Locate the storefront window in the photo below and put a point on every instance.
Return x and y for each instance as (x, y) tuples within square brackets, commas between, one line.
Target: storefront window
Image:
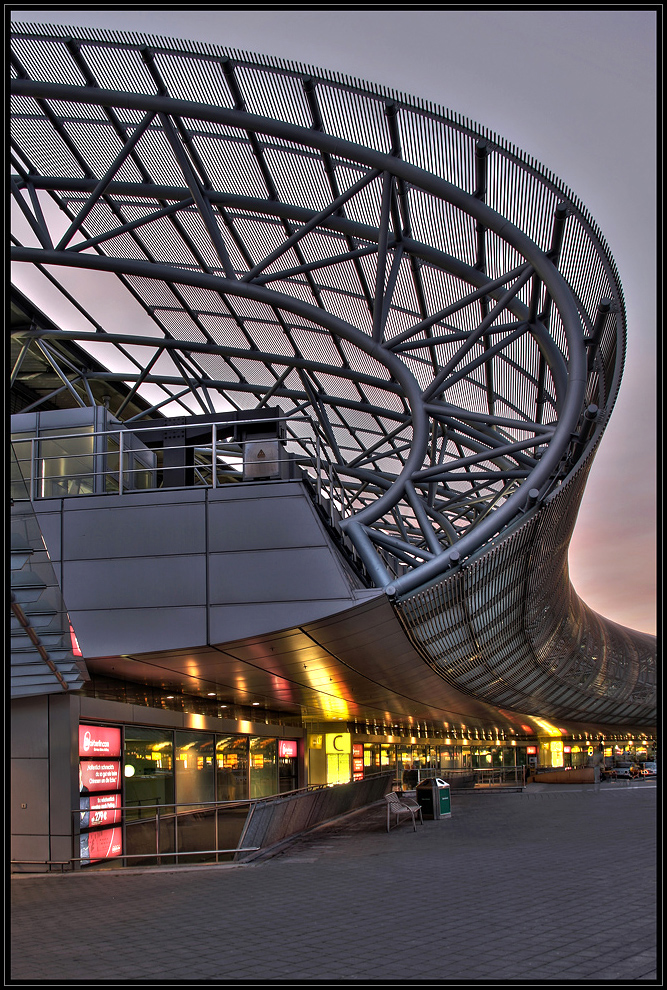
[(195, 783), (448, 758), (371, 757), (420, 756), (404, 757), (148, 770), (263, 767), (231, 760), (387, 756), (481, 758)]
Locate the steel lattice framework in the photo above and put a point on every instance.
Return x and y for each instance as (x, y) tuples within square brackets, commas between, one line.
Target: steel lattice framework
[(440, 307)]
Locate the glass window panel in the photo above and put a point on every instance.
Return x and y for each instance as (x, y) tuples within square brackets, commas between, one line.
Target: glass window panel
[(111, 469), (66, 465), (231, 760), (387, 756), (148, 769), (404, 756), (263, 767), (20, 467), (195, 774)]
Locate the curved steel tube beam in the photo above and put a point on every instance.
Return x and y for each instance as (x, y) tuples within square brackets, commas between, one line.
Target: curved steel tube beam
[(388, 165)]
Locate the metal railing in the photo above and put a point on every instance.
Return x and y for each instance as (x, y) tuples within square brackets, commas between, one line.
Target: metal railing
[(123, 459), (117, 462), (503, 776), (174, 826)]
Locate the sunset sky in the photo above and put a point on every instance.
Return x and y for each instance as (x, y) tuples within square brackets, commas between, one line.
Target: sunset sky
[(576, 89)]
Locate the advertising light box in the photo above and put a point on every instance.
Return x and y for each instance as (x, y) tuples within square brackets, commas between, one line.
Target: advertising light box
[(105, 843), (99, 775), (96, 740), (99, 809), (286, 747)]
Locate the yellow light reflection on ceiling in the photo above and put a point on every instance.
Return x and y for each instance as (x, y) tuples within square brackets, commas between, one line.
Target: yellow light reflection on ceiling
[(550, 730), (318, 677)]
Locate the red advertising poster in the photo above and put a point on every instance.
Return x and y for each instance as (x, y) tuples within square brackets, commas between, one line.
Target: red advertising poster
[(99, 740), (99, 775), (287, 747), (103, 844), (99, 809)]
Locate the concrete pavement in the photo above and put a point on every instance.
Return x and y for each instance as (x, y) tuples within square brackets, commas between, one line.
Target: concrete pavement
[(555, 884)]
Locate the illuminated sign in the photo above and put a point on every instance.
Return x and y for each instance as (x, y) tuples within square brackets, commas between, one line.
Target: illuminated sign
[(531, 749), (105, 843), (96, 740), (357, 750), (76, 649), (567, 749), (287, 747), (99, 809), (338, 742), (99, 775), (314, 742)]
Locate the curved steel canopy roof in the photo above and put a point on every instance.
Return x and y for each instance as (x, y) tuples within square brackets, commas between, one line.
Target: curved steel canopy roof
[(439, 306)]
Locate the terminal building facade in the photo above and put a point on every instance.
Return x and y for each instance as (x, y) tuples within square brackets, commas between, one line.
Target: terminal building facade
[(307, 379)]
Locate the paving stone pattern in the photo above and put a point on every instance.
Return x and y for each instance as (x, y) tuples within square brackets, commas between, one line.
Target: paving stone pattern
[(552, 885)]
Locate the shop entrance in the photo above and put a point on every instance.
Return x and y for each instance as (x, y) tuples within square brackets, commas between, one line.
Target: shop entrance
[(288, 777)]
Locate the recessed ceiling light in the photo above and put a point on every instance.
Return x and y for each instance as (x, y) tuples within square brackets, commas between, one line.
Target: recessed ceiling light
[(211, 694), (255, 702)]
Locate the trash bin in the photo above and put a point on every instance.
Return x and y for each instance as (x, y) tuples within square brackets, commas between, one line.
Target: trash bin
[(433, 798)]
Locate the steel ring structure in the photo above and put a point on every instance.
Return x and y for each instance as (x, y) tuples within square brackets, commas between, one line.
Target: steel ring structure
[(439, 308)]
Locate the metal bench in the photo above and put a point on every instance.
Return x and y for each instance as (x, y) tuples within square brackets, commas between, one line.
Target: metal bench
[(402, 806)]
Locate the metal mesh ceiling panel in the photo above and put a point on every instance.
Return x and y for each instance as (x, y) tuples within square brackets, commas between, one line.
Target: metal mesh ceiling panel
[(426, 295)]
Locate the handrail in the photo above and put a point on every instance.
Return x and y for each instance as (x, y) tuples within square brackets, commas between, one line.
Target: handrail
[(173, 811), (501, 774), (136, 466)]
